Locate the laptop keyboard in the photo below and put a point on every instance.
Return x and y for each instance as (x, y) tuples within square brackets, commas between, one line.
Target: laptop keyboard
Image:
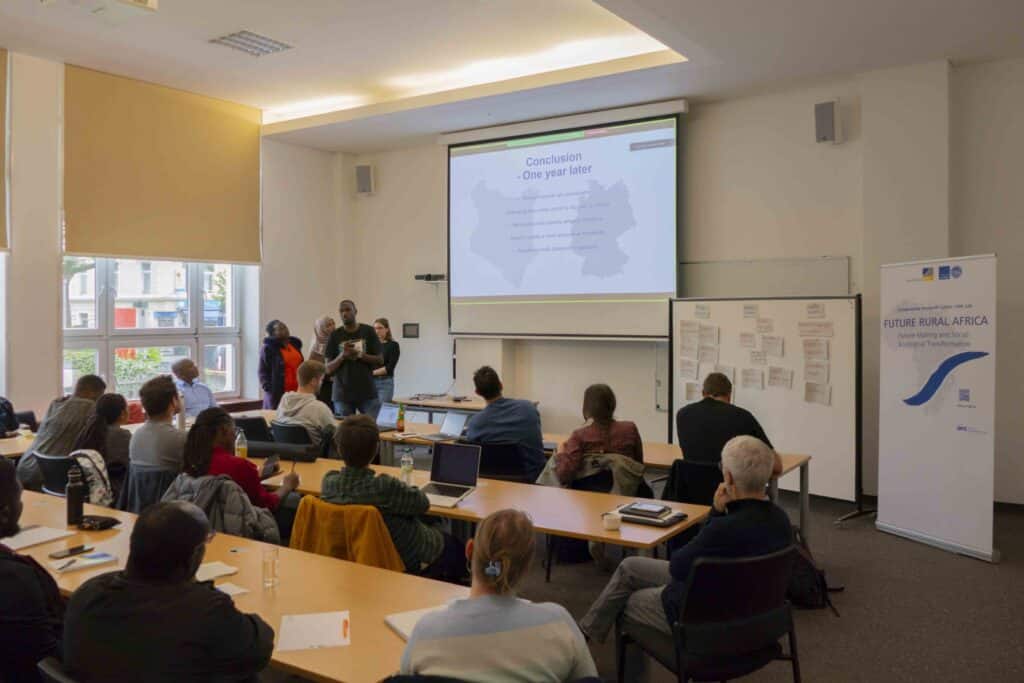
[(444, 490)]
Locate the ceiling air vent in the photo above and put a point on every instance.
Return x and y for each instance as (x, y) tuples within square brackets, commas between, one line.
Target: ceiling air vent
[(252, 43)]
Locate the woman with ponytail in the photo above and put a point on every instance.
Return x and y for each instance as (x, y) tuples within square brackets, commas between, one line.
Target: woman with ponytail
[(495, 636), (209, 450), (104, 433), (603, 434)]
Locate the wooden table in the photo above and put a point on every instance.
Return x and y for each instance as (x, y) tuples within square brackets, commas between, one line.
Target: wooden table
[(555, 511), (16, 446), (443, 404), (308, 583)]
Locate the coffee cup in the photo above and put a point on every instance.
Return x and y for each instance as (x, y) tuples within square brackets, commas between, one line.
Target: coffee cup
[(612, 521)]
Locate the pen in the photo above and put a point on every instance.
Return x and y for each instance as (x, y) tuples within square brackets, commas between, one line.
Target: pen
[(67, 564)]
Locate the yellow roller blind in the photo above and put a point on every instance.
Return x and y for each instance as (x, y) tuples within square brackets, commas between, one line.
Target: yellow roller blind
[(3, 149), (153, 172)]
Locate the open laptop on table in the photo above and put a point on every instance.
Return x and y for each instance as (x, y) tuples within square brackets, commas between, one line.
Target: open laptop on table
[(452, 427), (387, 418), (453, 473)]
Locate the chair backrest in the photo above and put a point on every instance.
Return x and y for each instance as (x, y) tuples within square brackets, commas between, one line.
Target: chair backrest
[(503, 461), (55, 472), (419, 678), (144, 486), (601, 482), (254, 428), (285, 433), (356, 533), (51, 670), (692, 482), (27, 418), (285, 451), (734, 605)]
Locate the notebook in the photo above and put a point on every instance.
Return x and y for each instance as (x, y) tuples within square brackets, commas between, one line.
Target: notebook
[(403, 623), (214, 570), (34, 535)]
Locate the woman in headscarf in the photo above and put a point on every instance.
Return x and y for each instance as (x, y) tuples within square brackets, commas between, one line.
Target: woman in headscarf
[(322, 329)]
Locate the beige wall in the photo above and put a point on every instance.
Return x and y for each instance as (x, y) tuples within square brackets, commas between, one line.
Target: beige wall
[(988, 217)]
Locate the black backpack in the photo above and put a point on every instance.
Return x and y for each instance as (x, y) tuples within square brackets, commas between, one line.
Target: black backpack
[(8, 420), (808, 588)]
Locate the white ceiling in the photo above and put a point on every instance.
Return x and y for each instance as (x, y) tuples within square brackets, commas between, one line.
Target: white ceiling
[(733, 46)]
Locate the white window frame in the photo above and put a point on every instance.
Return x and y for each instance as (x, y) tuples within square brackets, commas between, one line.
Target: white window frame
[(107, 338)]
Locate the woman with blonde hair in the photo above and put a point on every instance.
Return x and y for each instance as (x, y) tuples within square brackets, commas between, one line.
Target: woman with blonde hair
[(495, 636)]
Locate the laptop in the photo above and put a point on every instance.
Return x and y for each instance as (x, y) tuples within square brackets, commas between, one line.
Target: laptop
[(453, 473), (452, 428), (387, 418)]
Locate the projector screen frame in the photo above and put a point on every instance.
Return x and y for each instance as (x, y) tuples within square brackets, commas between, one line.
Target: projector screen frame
[(677, 116)]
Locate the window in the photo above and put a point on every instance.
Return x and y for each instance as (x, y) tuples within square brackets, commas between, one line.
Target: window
[(132, 320)]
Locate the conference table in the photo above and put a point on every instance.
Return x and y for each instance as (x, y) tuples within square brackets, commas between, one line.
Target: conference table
[(308, 584), (441, 404), (16, 446)]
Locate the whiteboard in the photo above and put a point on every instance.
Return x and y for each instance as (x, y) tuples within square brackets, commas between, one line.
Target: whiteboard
[(823, 424)]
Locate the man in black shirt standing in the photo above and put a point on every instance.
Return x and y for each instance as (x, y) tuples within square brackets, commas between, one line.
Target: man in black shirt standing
[(353, 351), (703, 428)]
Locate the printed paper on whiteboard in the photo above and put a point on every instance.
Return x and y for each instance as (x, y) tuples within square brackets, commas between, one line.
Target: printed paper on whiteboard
[(816, 310), (709, 335), (688, 327), (750, 310), (702, 311), (752, 379), (689, 343), (816, 371), (818, 393), (758, 358), (780, 377), (748, 340), (689, 369), (728, 371), (693, 392), (765, 325), (708, 354), (815, 349), (822, 328), (772, 345)]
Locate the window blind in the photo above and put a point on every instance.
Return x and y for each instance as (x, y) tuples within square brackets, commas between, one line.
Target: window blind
[(3, 150)]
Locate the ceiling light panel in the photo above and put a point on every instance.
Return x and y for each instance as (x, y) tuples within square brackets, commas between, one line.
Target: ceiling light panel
[(252, 43)]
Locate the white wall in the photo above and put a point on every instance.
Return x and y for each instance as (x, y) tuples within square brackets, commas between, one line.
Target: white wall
[(987, 214)]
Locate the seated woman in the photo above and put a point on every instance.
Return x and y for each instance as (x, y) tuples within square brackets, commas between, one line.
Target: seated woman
[(494, 635), (604, 434), (105, 434), (209, 450)]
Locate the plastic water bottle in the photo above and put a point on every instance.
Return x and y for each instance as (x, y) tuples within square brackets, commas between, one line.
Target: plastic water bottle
[(180, 417), (406, 468), (241, 445), (75, 495)]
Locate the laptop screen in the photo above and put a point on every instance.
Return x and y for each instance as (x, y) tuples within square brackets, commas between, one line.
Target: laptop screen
[(455, 463), (454, 423), (388, 415)]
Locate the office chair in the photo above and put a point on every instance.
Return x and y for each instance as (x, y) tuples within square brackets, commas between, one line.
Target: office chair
[(55, 472)]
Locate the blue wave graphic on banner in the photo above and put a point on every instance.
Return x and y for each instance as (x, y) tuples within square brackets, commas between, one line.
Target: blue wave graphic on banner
[(935, 381)]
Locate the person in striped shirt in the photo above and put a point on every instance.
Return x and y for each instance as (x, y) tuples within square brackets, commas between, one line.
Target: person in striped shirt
[(494, 636), (423, 546)]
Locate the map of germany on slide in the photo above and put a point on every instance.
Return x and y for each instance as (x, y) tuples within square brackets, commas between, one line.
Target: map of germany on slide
[(512, 231)]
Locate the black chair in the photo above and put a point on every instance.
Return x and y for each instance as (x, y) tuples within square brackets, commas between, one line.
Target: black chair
[(285, 451), (416, 678), (504, 461), (28, 418), (733, 614), (51, 670), (284, 433), (254, 428), (692, 482), (55, 472), (144, 486)]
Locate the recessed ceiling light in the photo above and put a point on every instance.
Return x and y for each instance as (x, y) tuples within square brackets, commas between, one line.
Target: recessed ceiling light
[(251, 43), (322, 105)]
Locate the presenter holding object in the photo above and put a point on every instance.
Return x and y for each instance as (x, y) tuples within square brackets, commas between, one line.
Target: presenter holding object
[(384, 376)]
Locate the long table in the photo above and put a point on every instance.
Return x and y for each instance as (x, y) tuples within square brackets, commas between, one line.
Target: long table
[(442, 404), (16, 446), (555, 511), (308, 583)]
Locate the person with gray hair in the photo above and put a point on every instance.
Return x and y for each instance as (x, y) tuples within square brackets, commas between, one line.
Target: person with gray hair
[(743, 523)]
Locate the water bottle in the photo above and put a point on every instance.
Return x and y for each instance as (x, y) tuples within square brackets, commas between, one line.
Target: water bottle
[(181, 412), (241, 445), (75, 496), (406, 468)]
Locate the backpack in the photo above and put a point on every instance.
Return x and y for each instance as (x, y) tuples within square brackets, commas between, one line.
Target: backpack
[(8, 420), (808, 588)]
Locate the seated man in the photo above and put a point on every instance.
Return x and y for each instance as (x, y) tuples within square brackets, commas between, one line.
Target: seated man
[(158, 443), (154, 621), (303, 408), (703, 428), (743, 523), (64, 421), (31, 609), (421, 544), (196, 395), (507, 420)]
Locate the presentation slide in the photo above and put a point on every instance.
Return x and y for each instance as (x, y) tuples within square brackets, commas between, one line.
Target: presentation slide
[(583, 218)]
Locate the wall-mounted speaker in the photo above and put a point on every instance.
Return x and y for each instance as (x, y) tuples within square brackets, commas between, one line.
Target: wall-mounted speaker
[(364, 179), (828, 125)]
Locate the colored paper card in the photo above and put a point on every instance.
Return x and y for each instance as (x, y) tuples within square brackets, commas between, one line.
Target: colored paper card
[(818, 393), (313, 631)]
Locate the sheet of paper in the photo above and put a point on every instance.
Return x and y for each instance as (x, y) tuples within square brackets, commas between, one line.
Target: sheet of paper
[(708, 354), (689, 343), (816, 310), (773, 345), (73, 564), (750, 310), (693, 391), (817, 328), (231, 588), (765, 325), (816, 371), (688, 327), (728, 371), (752, 378), (709, 335), (780, 377), (702, 311), (705, 370), (758, 358), (214, 570), (748, 340), (313, 631), (818, 393), (34, 535), (815, 349), (404, 622), (689, 369)]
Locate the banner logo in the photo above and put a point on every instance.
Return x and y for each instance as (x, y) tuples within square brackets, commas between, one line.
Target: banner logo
[(935, 381), (927, 274)]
